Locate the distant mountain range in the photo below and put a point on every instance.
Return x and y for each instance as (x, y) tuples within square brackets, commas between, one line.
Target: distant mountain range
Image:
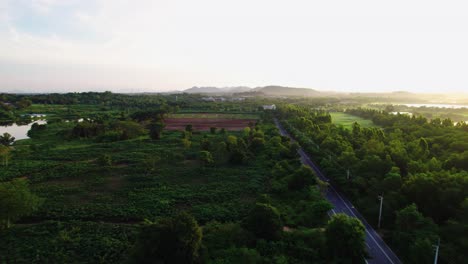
[(217, 90), (282, 91), (271, 90)]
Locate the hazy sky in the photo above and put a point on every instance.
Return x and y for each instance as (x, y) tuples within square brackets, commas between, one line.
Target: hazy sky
[(154, 45)]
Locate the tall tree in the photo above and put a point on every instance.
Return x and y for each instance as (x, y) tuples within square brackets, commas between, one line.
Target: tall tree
[(414, 234), (346, 239), (155, 129), (6, 139), (264, 222)]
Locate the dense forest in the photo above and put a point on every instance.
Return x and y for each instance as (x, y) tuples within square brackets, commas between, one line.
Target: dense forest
[(418, 165)]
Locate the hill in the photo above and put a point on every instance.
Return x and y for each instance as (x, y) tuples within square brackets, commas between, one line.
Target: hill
[(216, 90), (274, 90)]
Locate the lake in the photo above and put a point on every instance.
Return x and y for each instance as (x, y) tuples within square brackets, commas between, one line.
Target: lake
[(19, 131), (454, 106)]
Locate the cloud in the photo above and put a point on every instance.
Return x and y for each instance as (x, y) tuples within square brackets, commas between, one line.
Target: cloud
[(43, 6), (326, 44)]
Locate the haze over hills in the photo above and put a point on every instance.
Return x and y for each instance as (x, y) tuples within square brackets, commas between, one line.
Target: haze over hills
[(217, 90), (283, 91), (271, 90)]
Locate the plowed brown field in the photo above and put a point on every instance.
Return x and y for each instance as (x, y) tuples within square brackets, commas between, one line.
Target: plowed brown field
[(204, 124)]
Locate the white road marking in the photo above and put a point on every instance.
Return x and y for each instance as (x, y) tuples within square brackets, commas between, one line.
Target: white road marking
[(306, 157), (367, 231)]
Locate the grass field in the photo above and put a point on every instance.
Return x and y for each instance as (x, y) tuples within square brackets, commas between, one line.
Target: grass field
[(347, 120), (214, 115)]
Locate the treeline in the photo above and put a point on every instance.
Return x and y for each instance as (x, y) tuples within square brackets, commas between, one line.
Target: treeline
[(9, 104), (109, 100), (386, 119), (456, 114), (419, 167)]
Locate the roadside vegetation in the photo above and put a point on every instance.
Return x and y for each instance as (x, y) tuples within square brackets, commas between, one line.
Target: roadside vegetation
[(418, 165)]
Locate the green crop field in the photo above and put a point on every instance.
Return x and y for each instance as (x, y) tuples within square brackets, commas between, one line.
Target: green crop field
[(347, 120), (142, 179)]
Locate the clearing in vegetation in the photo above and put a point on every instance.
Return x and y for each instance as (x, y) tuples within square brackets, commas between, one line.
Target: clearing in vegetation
[(347, 120)]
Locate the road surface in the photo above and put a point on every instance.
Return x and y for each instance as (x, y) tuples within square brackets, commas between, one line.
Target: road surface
[(378, 250)]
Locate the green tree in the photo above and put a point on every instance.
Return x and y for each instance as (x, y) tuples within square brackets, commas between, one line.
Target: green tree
[(16, 201), (128, 129), (301, 178), (6, 139), (264, 221), (206, 158), (23, 103), (346, 239), (155, 129), (314, 213), (414, 234), (169, 240)]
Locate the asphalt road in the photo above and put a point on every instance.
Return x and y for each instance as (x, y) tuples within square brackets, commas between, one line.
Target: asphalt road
[(378, 250)]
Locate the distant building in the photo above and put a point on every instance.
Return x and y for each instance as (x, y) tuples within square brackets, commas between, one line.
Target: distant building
[(213, 99), (235, 99), (208, 99), (269, 107)]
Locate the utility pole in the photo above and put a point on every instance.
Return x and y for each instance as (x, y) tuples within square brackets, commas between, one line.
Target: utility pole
[(380, 211), (436, 250)]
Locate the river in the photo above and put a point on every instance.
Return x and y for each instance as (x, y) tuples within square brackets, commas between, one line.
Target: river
[(19, 131), (454, 106)]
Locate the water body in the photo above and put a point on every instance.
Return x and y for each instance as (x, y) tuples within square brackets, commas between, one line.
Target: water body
[(19, 131), (453, 106), (401, 113)]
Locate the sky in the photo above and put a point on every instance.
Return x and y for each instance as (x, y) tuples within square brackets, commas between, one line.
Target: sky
[(163, 45)]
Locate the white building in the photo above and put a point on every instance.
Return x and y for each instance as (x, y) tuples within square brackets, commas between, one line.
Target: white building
[(269, 107)]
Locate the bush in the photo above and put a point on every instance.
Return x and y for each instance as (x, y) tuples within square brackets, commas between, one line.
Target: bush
[(264, 222), (170, 240)]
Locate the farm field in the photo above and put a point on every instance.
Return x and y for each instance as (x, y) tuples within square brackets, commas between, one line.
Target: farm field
[(204, 121), (102, 191), (96, 182), (347, 120)]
